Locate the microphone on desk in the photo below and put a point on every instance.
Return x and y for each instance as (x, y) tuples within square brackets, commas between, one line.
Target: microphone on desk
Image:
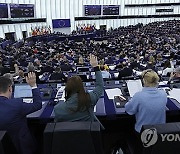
[(52, 98)]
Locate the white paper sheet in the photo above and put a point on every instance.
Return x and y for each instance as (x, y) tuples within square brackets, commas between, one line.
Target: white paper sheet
[(163, 83), (134, 86), (113, 92), (60, 94), (175, 93), (116, 75), (112, 67)]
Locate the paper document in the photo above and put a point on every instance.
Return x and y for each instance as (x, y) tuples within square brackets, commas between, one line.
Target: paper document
[(60, 94), (138, 73), (112, 67), (175, 93), (134, 86), (163, 83), (113, 92)]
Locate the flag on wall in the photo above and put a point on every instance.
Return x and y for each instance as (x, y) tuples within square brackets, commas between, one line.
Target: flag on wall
[(61, 23)]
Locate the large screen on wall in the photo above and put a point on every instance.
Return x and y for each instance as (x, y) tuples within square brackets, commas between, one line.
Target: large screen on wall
[(92, 10), (22, 10), (3, 10), (111, 9)]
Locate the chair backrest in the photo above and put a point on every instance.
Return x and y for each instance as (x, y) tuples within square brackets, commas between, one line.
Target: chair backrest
[(163, 138), (2, 134), (6, 145), (73, 137)]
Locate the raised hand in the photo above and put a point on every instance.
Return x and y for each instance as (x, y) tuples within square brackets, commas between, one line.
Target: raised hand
[(31, 79), (93, 60)]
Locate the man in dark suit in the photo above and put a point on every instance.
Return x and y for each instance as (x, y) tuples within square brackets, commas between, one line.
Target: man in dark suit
[(125, 71), (13, 114), (58, 75)]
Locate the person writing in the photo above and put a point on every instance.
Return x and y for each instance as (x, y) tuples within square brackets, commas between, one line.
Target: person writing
[(148, 105), (79, 105), (13, 114)]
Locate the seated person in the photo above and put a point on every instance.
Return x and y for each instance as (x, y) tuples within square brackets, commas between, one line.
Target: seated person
[(81, 60), (125, 71), (47, 68), (148, 105), (66, 67), (13, 114), (21, 77), (168, 68), (79, 105), (101, 62), (105, 73), (174, 79), (58, 75)]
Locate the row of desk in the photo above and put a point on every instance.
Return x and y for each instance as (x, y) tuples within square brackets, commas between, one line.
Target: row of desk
[(105, 107)]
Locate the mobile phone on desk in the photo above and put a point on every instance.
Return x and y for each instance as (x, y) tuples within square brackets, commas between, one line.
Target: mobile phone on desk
[(119, 101)]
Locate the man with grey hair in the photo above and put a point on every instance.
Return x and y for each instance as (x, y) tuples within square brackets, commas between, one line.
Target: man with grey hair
[(174, 80)]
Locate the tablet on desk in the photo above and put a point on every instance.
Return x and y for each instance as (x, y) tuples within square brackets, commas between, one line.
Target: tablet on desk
[(119, 101)]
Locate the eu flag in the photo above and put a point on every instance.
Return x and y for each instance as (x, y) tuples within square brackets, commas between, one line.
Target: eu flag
[(61, 23)]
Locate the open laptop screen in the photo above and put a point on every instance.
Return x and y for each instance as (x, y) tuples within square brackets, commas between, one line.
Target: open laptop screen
[(22, 91), (82, 69)]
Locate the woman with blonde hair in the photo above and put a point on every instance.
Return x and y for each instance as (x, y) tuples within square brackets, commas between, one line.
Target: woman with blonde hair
[(148, 105)]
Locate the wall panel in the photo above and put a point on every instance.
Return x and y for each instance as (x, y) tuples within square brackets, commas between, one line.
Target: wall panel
[(56, 9)]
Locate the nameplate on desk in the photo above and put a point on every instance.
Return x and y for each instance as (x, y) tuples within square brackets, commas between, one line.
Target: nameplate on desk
[(30, 100), (116, 82)]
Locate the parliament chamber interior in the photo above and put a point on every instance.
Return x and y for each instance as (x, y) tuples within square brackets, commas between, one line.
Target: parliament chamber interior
[(89, 76)]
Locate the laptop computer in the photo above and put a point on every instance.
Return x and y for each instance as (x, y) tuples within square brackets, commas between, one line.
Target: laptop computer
[(23, 91)]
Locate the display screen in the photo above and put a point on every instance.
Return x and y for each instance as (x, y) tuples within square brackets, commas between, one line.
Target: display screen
[(21, 10), (3, 10), (22, 91), (110, 9), (92, 10)]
